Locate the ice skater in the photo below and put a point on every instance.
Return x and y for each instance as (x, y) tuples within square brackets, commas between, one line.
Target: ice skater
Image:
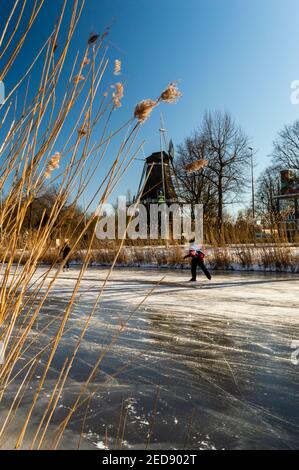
[(197, 259), (65, 251)]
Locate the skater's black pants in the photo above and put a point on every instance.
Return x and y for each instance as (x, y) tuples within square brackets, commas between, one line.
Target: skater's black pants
[(198, 262), (67, 264)]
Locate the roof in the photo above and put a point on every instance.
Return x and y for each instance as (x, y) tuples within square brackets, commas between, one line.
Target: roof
[(156, 157)]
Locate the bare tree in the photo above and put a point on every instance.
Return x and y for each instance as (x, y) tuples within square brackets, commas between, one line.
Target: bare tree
[(228, 158), (195, 188), (286, 147), (267, 190)]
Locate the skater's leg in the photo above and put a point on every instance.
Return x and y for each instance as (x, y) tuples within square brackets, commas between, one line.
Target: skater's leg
[(204, 270), (66, 265), (193, 269)]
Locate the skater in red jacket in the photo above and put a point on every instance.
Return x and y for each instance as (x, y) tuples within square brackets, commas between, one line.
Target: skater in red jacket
[(197, 259)]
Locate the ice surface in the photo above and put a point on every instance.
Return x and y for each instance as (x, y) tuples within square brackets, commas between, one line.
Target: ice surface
[(200, 366)]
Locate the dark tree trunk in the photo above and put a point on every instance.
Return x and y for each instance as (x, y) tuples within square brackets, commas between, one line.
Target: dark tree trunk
[(220, 205)]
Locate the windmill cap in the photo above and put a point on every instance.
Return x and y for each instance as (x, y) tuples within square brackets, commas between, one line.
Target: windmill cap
[(156, 157)]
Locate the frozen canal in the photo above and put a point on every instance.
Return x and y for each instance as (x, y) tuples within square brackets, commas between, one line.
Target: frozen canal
[(196, 367)]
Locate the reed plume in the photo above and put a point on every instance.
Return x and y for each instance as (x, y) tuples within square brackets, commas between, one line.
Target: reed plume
[(93, 37), (52, 165), (118, 94), (86, 60), (78, 78), (117, 67), (144, 109), (171, 94), (196, 166)]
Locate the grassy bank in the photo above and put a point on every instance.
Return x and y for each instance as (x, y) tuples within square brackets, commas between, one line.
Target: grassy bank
[(245, 258), (237, 257)]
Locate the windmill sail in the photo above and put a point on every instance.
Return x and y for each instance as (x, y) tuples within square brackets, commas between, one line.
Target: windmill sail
[(171, 149)]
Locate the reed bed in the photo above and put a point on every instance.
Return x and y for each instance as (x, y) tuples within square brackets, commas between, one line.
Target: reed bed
[(59, 134), (239, 257)]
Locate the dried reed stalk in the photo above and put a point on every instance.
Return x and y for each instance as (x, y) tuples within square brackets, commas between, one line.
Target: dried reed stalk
[(28, 156)]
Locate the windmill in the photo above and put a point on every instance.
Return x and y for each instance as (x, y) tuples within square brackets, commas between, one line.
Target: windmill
[(157, 183)]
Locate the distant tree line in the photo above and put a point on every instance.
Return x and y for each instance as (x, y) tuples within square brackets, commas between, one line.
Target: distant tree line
[(285, 156), (226, 178), (72, 217)]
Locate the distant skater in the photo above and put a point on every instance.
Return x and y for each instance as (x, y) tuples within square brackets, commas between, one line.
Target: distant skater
[(197, 259), (65, 252)]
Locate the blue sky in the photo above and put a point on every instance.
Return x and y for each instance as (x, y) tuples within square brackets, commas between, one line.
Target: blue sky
[(234, 55)]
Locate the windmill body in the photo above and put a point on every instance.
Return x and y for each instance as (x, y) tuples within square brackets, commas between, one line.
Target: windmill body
[(156, 183)]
